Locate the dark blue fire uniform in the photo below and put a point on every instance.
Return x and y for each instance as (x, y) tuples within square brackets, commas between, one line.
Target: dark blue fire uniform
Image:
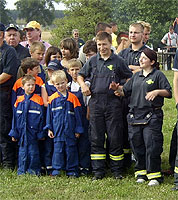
[(131, 57), (64, 120), (8, 64), (27, 128), (145, 121), (105, 111)]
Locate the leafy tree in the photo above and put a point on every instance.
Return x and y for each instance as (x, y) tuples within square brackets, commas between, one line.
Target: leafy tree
[(82, 15), (41, 10), (159, 13), (4, 13)]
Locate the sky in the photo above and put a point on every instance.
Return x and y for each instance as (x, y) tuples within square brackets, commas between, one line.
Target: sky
[(10, 5)]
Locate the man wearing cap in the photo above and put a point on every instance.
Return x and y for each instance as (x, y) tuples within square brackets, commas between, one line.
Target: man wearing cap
[(12, 37), (8, 71), (33, 30)]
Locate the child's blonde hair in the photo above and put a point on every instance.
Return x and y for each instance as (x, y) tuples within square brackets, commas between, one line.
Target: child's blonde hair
[(27, 77), (37, 45), (58, 75), (74, 63)]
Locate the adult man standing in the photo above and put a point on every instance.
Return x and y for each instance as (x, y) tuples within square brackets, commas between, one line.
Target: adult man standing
[(12, 37), (171, 41), (105, 107), (132, 54), (33, 30), (79, 41), (8, 71)]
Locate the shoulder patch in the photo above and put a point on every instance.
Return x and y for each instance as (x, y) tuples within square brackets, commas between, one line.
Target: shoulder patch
[(19, 99), (53, 96), (73, 99), (37, 99)]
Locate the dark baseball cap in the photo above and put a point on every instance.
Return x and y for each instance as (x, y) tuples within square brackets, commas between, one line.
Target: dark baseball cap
[(2, 27), (54, 65), (12, 26)]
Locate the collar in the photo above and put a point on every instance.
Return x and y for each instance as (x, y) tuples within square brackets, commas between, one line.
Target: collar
[(63, 97), (139, 50), (110, 58), (141, 72), (27, 97)]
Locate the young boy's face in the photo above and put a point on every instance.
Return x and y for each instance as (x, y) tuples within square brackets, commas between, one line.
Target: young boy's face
[(37, 55), (61, 85), (73, 71), (29, 87), (34, 71)]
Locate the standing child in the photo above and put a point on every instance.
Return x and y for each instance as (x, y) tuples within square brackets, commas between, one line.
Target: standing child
[(147, 90), (64, 124), (29, 66), (27, 127), (74, 67), (37, 50)]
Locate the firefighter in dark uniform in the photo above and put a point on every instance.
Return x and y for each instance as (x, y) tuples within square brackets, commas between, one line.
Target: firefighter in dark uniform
[(104, 106), (147, 89), (131, 56), (8, 70)]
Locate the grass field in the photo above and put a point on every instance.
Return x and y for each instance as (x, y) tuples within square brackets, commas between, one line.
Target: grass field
[(47, 188)]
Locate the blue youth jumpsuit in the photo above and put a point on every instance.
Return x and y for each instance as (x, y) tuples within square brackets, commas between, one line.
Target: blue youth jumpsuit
[(64, 120), (27, 128)]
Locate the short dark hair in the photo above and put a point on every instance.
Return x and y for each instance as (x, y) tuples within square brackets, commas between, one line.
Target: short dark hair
[(28, 63), (101, 26), (90, 45), (113, 24), (103, 36)]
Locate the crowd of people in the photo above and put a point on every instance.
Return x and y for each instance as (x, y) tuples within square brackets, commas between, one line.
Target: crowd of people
[(83, 107)]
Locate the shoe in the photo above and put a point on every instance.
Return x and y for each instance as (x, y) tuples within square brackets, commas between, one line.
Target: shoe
[(118, 176), (140, 180), (153, 182), (98, 177), (55, 173), (175, 188)]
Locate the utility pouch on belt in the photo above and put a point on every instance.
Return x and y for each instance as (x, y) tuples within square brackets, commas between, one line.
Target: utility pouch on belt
[(138, 121)]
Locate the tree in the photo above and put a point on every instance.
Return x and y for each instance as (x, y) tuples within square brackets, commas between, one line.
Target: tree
[(159, 13), (41, 10), (82, 15), (4, 13)]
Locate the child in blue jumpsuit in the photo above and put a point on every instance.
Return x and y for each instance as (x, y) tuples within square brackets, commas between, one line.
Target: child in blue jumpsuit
[(74, 67), (27, 127), (64, 124), (29, 66), (147, 90)]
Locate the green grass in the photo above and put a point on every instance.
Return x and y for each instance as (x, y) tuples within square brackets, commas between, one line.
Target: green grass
[(32, 187)]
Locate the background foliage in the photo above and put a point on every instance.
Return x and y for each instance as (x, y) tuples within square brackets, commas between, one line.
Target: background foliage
[(84, 15)]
